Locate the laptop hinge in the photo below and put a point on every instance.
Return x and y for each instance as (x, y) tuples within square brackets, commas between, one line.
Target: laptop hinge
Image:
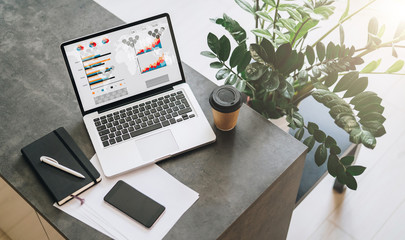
[(134, 100)]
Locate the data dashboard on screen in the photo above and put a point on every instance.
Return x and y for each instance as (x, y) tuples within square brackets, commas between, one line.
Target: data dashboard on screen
[(123, 63)]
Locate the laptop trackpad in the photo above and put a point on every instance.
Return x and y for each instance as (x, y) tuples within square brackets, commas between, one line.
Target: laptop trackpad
[(157, 146)]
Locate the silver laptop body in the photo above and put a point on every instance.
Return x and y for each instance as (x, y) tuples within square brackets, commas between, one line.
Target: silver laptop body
[(131, 89)]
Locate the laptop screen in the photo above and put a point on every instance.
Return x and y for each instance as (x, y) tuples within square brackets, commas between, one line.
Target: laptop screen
[(122, 62)]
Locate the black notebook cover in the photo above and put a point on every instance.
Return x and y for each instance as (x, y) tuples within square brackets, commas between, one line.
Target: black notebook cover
[(60, 146)]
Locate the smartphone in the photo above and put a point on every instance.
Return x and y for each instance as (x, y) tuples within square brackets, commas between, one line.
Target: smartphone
[(134, 204)]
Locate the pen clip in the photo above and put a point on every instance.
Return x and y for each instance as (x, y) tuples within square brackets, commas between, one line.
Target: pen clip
[(42, 158)]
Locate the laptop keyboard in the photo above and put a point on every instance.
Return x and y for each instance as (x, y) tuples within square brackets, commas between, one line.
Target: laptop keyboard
[(142, 118)]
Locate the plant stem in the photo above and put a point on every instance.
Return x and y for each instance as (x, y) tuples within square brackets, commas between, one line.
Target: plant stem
[(257, 19), (296, 34), (275, 20), (386, 44), (344, 20)]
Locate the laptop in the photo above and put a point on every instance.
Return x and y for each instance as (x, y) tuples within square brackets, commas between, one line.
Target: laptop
[(136, 105)]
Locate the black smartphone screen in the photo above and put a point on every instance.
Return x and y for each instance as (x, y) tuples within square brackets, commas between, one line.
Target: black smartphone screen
[(134, 203)]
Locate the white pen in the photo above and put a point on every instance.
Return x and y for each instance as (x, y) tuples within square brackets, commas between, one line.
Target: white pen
[(54, 163)]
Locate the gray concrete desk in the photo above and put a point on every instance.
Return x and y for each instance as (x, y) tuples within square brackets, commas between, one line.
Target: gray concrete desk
[(247, 180)]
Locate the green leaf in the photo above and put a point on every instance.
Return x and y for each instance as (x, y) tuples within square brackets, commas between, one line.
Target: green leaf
[(290, 65), (263, 33), (400, 29), (299, 134), (334, 149), (289, 24), (244, 62), (347, 161), (270, 2), (309, 52), (341, 174), (295, 15), (231, 79), (396, 67), (241, 85), (208, 54), (355, 170), (367, 100), (233, 27), (330, 51), (374, 127), (264, 15), (359, 97), (381, 31), (337, 109), (355, 135), (316, 72), (341, 34), (245, 6), (282, 55), (319, 136), (331, 78), (350, 181), (274, 82), (224, 48), (394, 52), (345, 82), (222, 73), (320, 51), (363, 110), (320, 155), (213, 42), (284, 37), (373, 26), (216, 65), (258, 53), (300, 61), (289, 91), (347, 122), (346, 12), (374, 39), (324, 10), (237, 56), (371, 66), (336, 102), (255, 70), (324, 96), (357, 87), (303, 76), (309, 142), (304, 29), (333, 164), (330, 141), (373, 116), (368, 139), (312, 127), (269, 49)]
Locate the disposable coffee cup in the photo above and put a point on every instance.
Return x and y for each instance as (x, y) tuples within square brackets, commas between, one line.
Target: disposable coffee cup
[(225, 102)]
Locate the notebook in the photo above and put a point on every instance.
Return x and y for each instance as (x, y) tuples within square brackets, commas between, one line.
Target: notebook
[(60, 146), (136, 104)]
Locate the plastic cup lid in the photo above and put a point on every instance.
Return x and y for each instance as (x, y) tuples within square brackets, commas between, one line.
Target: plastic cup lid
[(226, 99)]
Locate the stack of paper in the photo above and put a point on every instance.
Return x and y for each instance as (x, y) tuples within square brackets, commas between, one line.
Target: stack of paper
[(153, 182)]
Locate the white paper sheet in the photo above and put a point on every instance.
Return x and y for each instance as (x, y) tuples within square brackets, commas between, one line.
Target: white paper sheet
[(153, 182)]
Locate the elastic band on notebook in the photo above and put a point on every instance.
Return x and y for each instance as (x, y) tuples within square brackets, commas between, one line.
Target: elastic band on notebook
[(75, 156)]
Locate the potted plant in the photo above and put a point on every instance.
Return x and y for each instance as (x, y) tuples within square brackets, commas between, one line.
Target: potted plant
[(278, 70)]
